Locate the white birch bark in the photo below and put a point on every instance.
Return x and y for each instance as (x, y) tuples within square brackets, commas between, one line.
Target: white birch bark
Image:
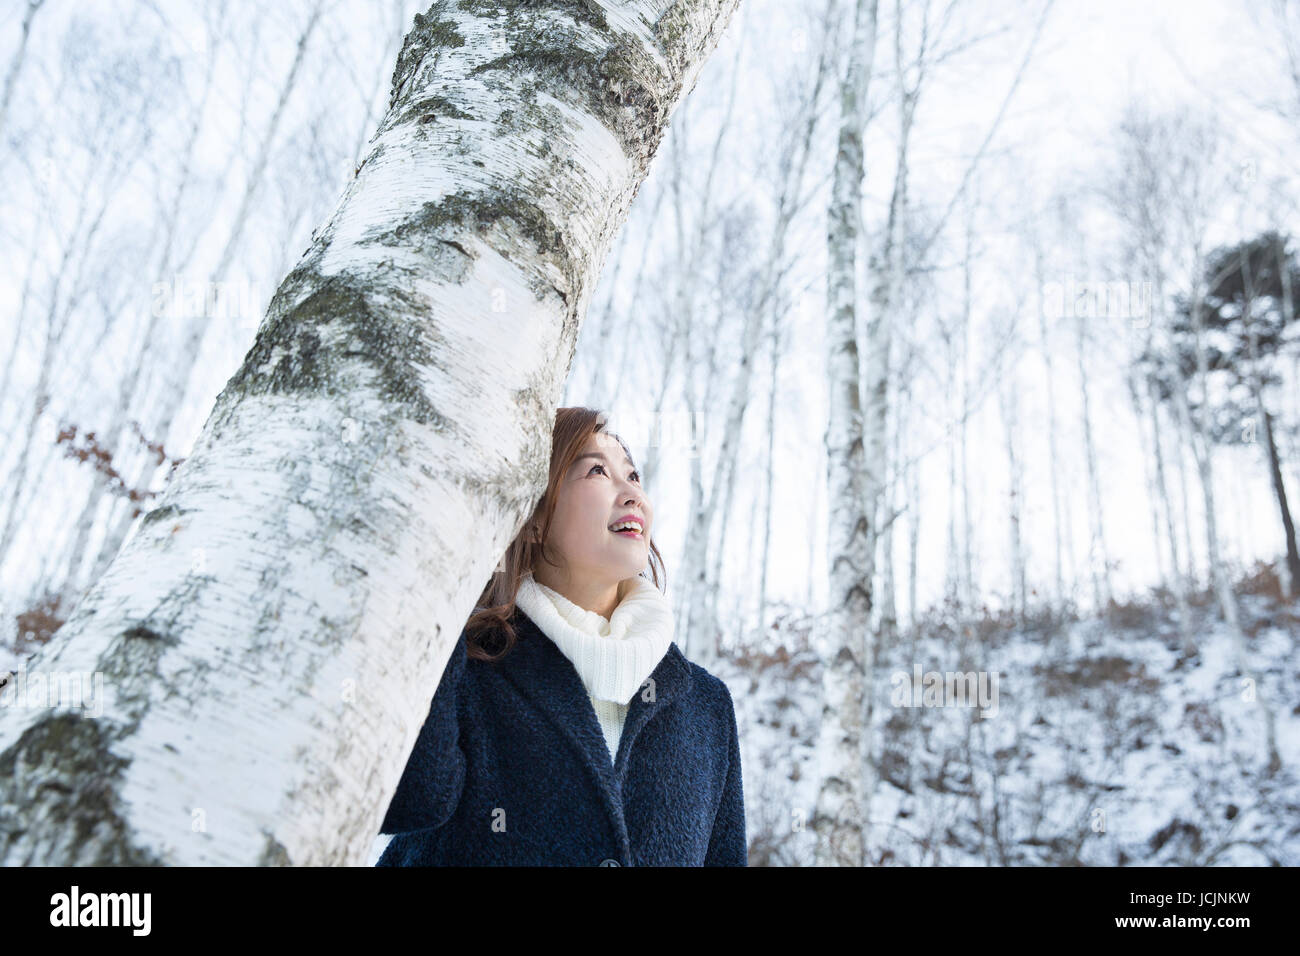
[(776, 340), (842, 814), (888, 601), (1098, 559), (1148, 472), (1053, 459), (1015, 493), (952, 586), (271, 636), (966, 591), (913, 545), (1179, 577), (886, 270)]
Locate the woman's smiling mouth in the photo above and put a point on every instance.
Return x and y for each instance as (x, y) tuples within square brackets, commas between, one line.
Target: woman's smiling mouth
[(630, 526)]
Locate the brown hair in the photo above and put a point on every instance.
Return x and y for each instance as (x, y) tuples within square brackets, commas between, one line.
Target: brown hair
[(489, 633)]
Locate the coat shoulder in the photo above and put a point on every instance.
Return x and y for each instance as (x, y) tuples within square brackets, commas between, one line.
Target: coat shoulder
[(711, 687)]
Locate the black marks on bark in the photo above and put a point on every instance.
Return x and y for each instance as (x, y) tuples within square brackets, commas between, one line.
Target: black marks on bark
[(430, 109), (459, 248), (303, 349), (672, 33), (66, 778), (572, 42), (430, 34), (478, 211), (618, 87), (162, 514), (580, 11), (274, 853), (147, 633)]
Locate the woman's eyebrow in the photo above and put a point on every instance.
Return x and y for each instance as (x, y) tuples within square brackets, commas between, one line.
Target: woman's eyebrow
[(601, 456)]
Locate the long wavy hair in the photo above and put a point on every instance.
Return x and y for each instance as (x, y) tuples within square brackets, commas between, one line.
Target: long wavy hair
[(489, 632)]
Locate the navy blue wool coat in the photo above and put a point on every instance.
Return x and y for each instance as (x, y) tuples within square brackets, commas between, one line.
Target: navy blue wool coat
[(511, 769)]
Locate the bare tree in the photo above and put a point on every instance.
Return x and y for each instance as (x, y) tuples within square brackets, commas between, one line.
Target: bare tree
[(842, 812), (20, 55), (182, 366), (144, 353)]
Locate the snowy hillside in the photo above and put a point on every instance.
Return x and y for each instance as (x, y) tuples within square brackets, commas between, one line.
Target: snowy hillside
[(1107, 746)]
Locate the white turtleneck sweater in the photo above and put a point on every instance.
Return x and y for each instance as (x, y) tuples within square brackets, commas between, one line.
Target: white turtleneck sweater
[(613, 656)]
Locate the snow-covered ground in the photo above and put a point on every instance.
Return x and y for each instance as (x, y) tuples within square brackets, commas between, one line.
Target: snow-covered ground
[(1106, 748)]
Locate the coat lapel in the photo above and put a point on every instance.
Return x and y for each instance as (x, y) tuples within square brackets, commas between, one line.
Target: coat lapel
[(548, 679), (669, 680)]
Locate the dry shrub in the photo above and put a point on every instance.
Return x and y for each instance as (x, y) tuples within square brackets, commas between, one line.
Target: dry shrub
[(38, 623), (1203, 721), (1091, 672), (1262, 579), (1132, 616)]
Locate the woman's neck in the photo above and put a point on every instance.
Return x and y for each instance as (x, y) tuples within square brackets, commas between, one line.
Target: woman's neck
[(599, 598)]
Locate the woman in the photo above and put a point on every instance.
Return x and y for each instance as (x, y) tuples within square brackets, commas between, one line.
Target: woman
[(567, 728)]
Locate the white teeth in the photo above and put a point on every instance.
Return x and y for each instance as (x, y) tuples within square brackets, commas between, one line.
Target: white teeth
[(626, 525)]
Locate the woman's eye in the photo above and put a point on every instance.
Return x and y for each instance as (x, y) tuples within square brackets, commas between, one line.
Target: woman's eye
[(635, 476)]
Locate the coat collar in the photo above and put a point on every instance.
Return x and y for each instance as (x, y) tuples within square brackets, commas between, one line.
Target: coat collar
[(541, 672)]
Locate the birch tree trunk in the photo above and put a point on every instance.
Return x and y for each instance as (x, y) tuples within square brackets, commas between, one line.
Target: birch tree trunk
[(270, 638), (842, 814), (952, 586), (885, 269), (966, 591), (913, 543), (1098, 557), (1179, 576), (1010, 396), (1131, 385), (1053, 459), (888, 601), (776, 339)]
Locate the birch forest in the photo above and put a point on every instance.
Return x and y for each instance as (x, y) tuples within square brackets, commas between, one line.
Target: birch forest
[(957, 343)]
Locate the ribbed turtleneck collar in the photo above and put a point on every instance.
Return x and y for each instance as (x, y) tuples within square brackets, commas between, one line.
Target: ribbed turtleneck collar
[(615, 656)]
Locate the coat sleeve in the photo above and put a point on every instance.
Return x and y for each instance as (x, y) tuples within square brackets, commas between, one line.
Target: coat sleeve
[(727, 845), (434, 777)]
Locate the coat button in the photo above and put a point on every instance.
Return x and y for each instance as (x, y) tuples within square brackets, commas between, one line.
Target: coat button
[(609, 862)]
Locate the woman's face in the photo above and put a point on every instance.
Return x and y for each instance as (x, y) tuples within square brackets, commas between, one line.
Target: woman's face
[(600, 488)]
